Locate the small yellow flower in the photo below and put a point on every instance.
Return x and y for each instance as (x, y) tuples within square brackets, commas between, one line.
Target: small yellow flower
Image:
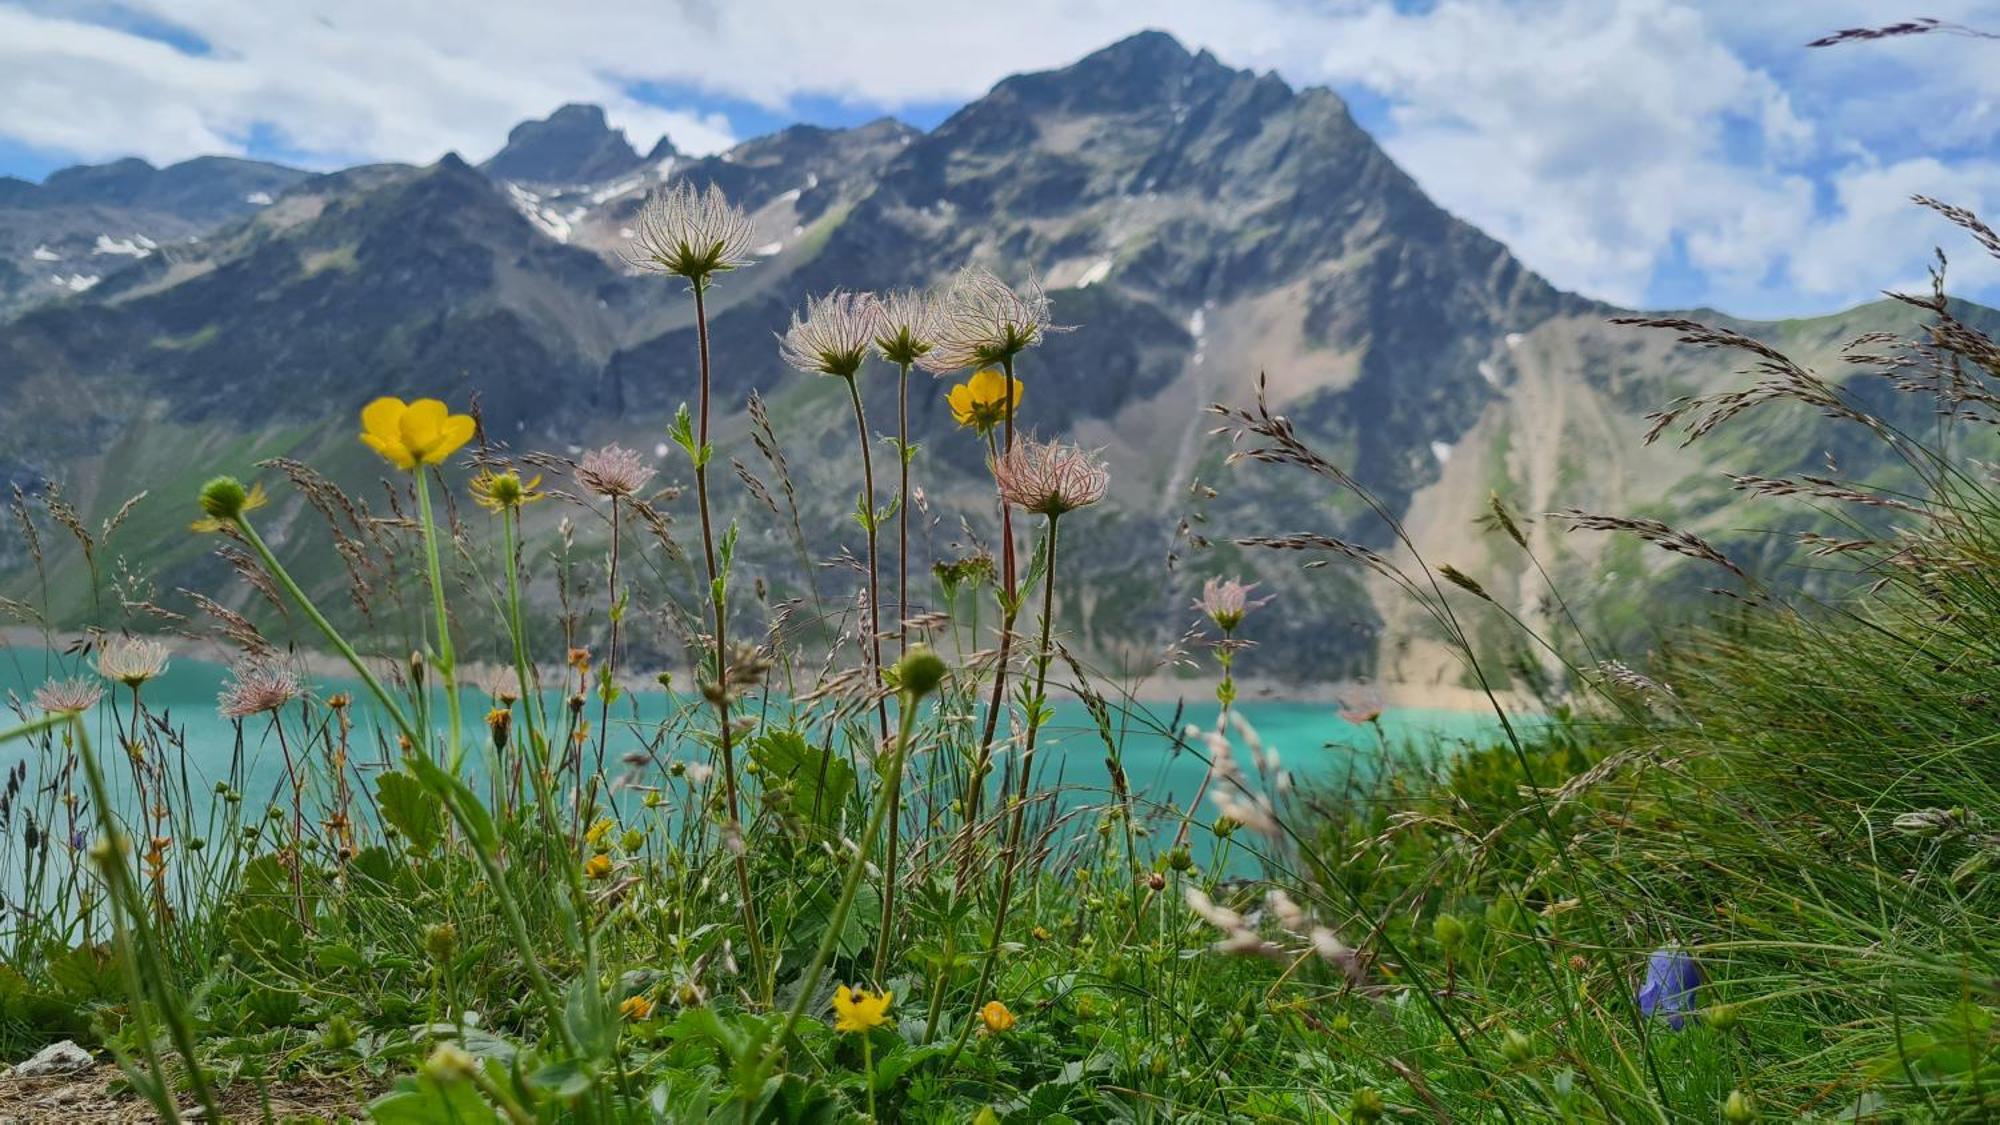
[(497, 492), (596, 833), (635, 1008), (981, 402), (996, 1017), (408, 434), (597, 867), (859, 1010), (1042, 933), (499, 721)]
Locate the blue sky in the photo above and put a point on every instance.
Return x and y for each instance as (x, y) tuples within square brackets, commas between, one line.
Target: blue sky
[(1664, 153)]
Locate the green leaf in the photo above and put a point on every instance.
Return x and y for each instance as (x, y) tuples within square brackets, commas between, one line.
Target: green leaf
[(424, 1101), (589, 1018), (567, 1079), (87, 972), (411, 809), (817, 781), (460, 797)]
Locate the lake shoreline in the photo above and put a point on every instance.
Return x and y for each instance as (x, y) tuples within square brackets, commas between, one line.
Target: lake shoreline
[(1155, 689)]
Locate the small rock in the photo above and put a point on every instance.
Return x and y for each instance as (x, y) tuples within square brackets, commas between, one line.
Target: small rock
[(61, 1058)]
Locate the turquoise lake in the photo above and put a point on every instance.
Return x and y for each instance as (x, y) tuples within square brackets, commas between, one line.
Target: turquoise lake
[(1310, 739)]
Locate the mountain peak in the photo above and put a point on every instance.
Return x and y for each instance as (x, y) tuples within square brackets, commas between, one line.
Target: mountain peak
[(1149, 46), (573, 145)]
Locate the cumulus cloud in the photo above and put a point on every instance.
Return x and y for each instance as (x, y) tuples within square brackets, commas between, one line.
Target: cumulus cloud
[(1624, 148)]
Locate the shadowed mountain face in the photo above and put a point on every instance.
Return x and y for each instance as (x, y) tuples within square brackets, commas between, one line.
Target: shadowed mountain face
[(573, 145), (1200, 227)]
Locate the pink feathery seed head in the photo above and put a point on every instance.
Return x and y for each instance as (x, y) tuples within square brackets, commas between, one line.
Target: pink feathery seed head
[(131, 660), (906, 325), (613, 471), (255, 688), (689, 233), (1226, 602), (985, 322), (67, 696), (834, 336), (1050, 477)]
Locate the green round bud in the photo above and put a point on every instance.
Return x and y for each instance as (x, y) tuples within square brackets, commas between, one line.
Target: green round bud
[(1225, 827), (224, 498), (1738, 1108), (1449, 931), (441, 941), (920, 671), (1723, 1017), (1366, 1105), (1516, 1048), (338, 1034), (1181, 859)]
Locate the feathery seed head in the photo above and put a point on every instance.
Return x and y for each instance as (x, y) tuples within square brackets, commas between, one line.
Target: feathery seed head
[(131, 661), (835, 335), (906, 325), (984, 321), (256, 688), (67, 696), (1050, 478), (690, 233), (1225, 603), (613, 471)]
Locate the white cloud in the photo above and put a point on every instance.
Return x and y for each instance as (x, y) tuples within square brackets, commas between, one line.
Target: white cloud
[(1611, 143)]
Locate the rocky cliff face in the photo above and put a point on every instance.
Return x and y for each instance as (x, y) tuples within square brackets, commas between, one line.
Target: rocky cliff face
[(1200, 227)]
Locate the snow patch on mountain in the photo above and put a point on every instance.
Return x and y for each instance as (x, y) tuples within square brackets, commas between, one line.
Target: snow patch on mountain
[(137, 246)]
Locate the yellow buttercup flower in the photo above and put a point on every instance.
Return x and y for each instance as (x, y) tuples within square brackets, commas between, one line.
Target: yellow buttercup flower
[(981, 401), (497, 492), (859, 1010), (996, 1017), (635, 1008), (597, 867), (408, 434), (597, 833)]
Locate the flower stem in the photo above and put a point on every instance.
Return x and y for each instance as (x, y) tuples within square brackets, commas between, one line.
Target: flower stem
[(327, 630), (874, 651), (892, 782), (1010, 852), (530, 698), (725, 735), (447, 661)]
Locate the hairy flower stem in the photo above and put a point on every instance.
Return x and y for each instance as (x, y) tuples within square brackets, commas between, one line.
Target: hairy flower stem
[(725, 736), (535, 720), (617, 612), (892, 782), (326, 629), (447, 661), (874, 646), (1017, 820), (874, 650), (903, 510), (975, 786)]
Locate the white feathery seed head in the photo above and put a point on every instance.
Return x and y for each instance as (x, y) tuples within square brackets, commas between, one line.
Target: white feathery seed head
[(689, 233), (985, 322), (834, 336)]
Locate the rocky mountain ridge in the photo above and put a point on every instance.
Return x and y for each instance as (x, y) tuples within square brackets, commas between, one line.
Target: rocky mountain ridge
[(1201, 227)]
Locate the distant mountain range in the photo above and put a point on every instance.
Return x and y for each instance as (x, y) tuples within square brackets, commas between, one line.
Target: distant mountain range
[(1199, 224)]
